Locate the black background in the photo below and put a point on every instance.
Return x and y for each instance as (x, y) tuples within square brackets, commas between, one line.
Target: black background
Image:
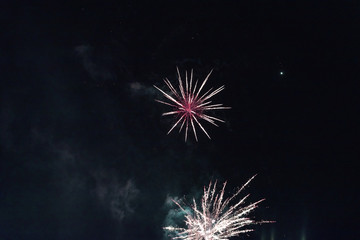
[(84, 150)]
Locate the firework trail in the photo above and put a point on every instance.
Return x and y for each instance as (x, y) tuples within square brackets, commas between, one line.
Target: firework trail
[(216, 218), (189, 105)]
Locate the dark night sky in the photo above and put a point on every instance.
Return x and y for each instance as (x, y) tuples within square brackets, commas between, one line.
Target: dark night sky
[(84, 150)]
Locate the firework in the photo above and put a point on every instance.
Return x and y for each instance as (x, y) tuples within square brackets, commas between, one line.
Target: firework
[(216, 218), (190, 105)]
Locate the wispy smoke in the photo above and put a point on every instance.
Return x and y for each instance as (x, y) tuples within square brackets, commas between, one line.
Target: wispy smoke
[(116, 196), (174, 216), (96, 66)]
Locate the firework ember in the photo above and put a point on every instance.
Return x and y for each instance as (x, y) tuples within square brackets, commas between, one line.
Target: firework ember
[(216, 218), (190, 105)]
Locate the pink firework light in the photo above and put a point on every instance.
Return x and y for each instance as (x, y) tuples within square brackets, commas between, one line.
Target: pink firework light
[(189, 105)]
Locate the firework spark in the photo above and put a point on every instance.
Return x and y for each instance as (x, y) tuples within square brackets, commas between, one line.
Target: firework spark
[(190, 105), (216, 218)]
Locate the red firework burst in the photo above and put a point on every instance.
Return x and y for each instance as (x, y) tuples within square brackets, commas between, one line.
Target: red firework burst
[(189, 105)]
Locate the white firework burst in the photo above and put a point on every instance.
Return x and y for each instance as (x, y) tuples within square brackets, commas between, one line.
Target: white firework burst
[(216, 218), (190, 105)]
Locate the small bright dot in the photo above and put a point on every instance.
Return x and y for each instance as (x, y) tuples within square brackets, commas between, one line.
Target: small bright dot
[(281, 73)]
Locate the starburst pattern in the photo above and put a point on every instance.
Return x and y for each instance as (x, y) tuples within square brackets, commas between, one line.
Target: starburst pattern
[(216, 218), (190, 105)]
